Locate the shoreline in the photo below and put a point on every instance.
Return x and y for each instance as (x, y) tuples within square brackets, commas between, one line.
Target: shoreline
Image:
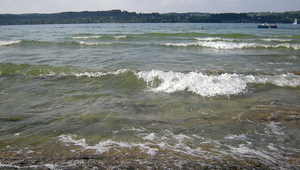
[(118, 158)]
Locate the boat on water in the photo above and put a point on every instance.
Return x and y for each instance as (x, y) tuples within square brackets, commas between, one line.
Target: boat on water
[(265, 25), (295, 22)]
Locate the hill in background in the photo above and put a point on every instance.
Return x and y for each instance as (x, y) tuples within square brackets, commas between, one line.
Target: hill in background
[(118, 16)]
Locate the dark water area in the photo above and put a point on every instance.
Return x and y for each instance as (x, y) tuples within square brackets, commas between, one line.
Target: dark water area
[(149, 96)]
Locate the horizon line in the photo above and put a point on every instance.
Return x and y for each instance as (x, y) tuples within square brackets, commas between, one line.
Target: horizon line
[(142, 13)]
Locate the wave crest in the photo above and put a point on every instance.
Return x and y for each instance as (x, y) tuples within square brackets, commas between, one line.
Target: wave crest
[(232, 45), (198, 83), (211, 85), (7, 43), (158, 81)]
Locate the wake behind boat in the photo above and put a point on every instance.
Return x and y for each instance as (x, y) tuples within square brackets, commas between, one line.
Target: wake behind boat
[(265, 25)]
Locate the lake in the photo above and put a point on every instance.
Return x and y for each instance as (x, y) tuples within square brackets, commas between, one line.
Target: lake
[(146, 96)]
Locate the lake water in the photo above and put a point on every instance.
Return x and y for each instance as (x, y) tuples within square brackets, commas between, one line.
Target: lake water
[(165, 96)]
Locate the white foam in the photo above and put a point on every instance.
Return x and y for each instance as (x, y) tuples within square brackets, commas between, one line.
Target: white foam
[(17, 134), (51, 74), (100, 43), (150, 137), (6, 43), (216, 44), (9, 166), (81, 74), (99, 74), (181, 144), (228, 45), (214, 39), (181, 137), (134, 129), (70, 139), (121, 36), (50, 166), (241, 137), (276, 39), (271, 146), (105, 146), (86, 37), (279, 80), (146, 147), (244, 150), (295, 46), (211, 85), (178, 44), (225, 45), (275, 128), (204, 85), (196, 82), (86, 43)]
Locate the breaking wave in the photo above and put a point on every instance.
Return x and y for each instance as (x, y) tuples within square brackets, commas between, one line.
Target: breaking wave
[(7, 43), (232, 45), (157, 81), (211, 85)]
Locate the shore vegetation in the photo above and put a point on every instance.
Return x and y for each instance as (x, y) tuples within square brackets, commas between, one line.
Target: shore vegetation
[(118, 16)]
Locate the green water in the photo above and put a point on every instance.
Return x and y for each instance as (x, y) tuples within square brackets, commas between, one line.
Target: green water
[(149, 96)]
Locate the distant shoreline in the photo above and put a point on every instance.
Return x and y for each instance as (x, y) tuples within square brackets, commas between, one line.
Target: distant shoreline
[(118, 16)]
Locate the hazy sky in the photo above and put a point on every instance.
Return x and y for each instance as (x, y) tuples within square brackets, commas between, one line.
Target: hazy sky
[(148, 6)]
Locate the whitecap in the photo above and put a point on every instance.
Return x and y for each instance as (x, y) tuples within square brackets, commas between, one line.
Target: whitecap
[(276, 39), (86, 37), (99, 74), (226, 45), (204, 85), (214, 39), (210, 85), (121, 36), (6, 43), (178, 44), (86, 43)]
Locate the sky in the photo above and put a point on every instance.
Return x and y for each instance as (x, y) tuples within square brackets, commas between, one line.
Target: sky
[(148, 6)]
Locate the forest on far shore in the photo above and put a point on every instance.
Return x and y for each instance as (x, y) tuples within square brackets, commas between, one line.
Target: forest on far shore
[(118, 16)]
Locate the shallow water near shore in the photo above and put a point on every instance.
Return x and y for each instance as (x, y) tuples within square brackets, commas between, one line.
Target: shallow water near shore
[(145, 96)]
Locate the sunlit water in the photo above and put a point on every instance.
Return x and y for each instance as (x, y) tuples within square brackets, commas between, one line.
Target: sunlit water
[(150, 96)]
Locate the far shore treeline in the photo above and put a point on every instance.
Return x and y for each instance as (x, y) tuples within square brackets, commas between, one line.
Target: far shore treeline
[(118, 16)]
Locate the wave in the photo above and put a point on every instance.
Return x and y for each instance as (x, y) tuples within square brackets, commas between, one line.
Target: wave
[(49, 43), (211, 41), (276, 39), (211, 85), (87, 37), (224, 37), (198, 83), (151, 143), (233, 39), (7, 43), (100, 36), (100, 43), (158, 81), (35, 43), (121, 36), (232, 45), (182, 34), (215, 39), (189, 35)]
